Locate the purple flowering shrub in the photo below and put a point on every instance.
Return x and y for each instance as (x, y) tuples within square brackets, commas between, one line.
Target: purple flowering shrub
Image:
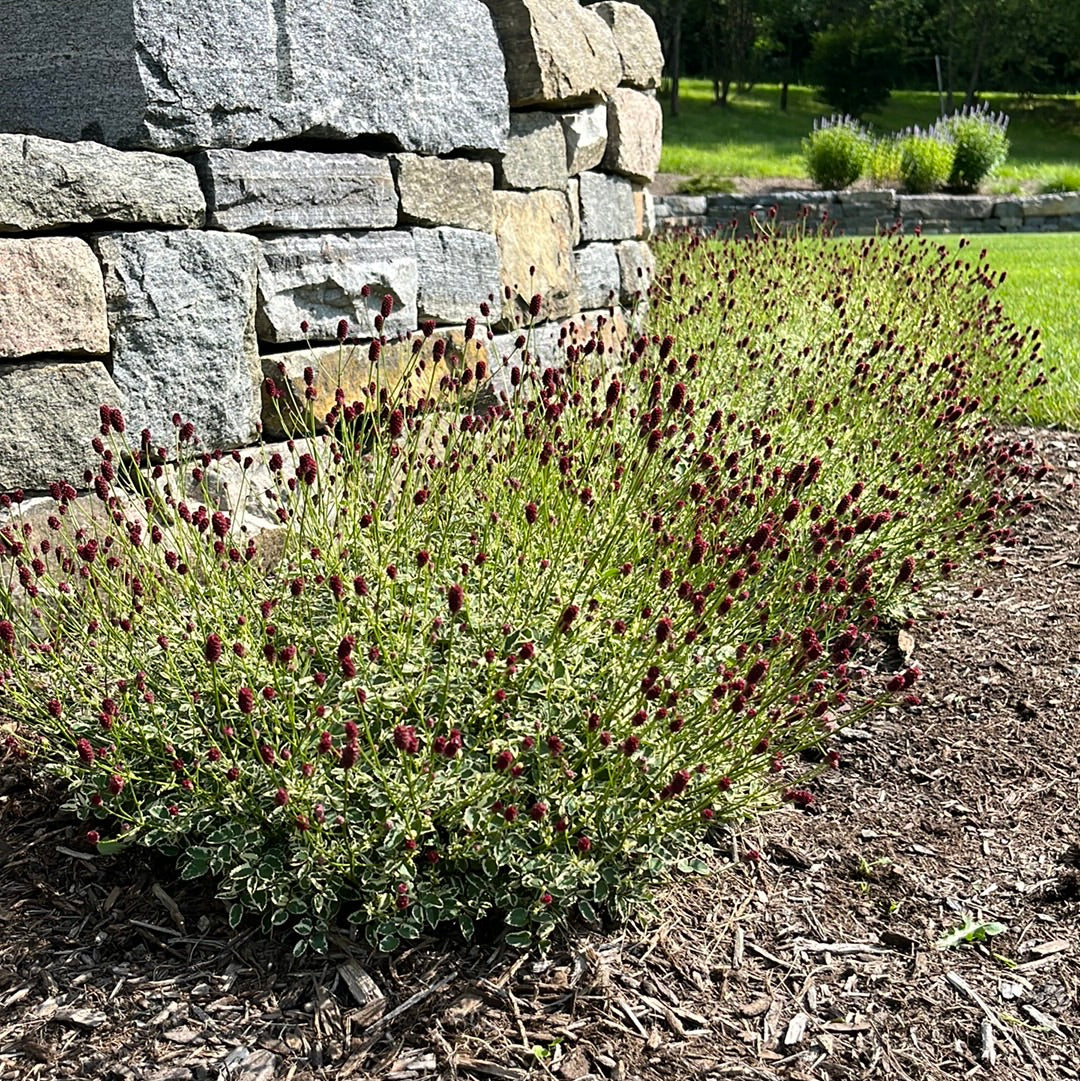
[(518, 653)]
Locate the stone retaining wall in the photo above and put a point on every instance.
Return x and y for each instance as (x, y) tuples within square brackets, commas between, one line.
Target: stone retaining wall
[(182, 186), (865, 212)]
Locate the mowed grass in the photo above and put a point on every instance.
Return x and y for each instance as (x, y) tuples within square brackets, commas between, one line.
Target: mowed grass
[(753, 138), (1042, 289)]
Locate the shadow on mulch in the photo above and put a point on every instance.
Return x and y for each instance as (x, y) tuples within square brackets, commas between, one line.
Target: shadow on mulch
[(807, 952)]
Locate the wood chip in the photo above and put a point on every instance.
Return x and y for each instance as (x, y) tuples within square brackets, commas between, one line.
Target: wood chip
[(370, 1000), (796, 1029)]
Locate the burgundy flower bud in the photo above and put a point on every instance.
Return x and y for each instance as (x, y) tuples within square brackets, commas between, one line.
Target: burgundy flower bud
[(387, 305), (584, 844), (566, 620), (405, 739), (535, 304), (342, 329), (281, 797), (213, 649), (349, 755), (396, 424), (455, 599), (86, 752), (663, 630)]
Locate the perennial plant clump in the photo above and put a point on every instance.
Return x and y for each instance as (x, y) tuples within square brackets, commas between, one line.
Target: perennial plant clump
[(926, 159), (980, 143), (836, 152), (530, 628)]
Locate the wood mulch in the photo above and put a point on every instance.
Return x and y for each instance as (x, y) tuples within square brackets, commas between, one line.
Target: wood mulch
[(808, 951)]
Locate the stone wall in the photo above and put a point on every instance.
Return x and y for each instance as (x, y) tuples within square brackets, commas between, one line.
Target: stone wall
[(183, 187), (865, 212)]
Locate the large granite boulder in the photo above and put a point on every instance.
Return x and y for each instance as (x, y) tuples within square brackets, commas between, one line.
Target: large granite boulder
[(322, 278), (635, 129), (608, 211), (637, 42), (558, 50), (46, 184), (182, 317), (457, 269), (599, 275), (276, 189), (445, 191), (50, 417), (586, 137), (536, 255), (51, 298), (230, 73)]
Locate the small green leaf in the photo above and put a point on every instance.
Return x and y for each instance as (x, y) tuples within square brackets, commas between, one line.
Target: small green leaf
[(520, 940), (588, 913), (388, 943), (236, 914), (518, 917), (111, 847), (278, 917), (408, 931)]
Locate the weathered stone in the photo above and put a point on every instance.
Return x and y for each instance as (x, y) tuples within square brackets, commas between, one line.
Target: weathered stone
[(545, 347), (607, 207), (319, 279), (883, 199), (599, 275), (457, 269), (586, 137), (534, 230), (535, 154), (636, 266), (46, 184), (682, 206), (635, 126), (1008, 208), (637, 41), (351, 368), (1053, 205), (51, 298), (644, 213), (50, 417), (944, 207), (445, 191), (181, 313), (574, 199), (559, 51), (273, 189), (229, 73)]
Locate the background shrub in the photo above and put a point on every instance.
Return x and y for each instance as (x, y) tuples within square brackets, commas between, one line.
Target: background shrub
[(980, 145), (883, 162), (836, 152), (926, 160)]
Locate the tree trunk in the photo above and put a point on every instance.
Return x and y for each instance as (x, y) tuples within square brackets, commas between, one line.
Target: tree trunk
[(673, 57), (783, 95)]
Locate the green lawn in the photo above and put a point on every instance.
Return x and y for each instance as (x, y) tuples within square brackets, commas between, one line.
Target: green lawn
[(753, 138), (1041, 289)]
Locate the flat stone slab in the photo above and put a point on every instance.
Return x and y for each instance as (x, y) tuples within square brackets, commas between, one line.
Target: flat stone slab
[(534, 231), (457, 270), (182, 316), (50, 417), (46, 184), (1056, 205), (560, 52), (599, 275), (945, 207), (445, 191), (51, 298), (163, 75), (636, 267), (275, 189), (321, 278), (535, 155), (607, 207)]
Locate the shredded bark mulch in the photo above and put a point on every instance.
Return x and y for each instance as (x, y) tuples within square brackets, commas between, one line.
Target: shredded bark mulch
[(810, 950)]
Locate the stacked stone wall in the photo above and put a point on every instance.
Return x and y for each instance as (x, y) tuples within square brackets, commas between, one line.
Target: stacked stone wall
[(184, 187), (861, 213)]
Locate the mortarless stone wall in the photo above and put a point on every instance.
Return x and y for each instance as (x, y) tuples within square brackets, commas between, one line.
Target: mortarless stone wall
[(182, 185)]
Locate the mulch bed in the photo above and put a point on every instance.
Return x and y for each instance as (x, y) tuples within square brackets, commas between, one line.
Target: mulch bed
[(808, 952)]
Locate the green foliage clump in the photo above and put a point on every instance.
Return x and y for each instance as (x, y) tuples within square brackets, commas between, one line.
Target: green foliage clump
[(980, 145), (883, 164), (1064, 180), (836, 152), (515, 650), (926, 160)]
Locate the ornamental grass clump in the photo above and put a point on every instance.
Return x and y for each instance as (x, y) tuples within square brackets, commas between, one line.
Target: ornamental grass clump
[(529, 630), (926, 159), (980, 142), (836, 152)]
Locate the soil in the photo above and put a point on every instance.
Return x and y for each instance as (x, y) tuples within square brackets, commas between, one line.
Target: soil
[(809, 951)]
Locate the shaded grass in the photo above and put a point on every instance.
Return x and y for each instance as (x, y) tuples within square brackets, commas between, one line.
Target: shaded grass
[(753, 138)]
